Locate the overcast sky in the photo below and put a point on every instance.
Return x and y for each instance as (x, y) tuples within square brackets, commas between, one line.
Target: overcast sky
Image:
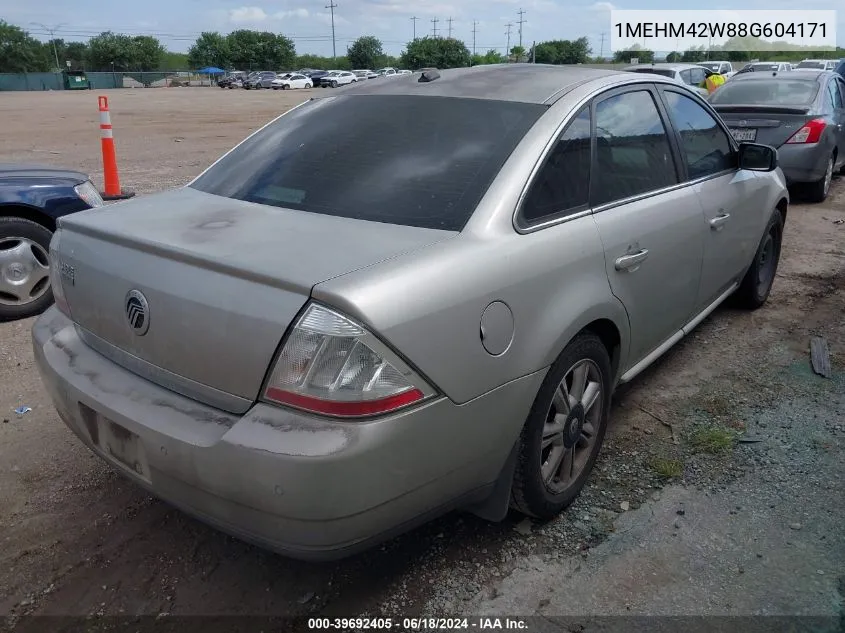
[(178, 22)]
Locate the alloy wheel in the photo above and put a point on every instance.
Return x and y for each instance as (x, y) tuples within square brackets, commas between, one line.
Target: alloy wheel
[(24, 271), (571, 427)]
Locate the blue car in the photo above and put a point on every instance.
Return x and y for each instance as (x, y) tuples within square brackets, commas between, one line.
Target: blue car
[(32, 198)]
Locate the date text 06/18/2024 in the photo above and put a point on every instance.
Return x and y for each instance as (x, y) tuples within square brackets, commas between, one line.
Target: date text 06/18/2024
[(412, 625)]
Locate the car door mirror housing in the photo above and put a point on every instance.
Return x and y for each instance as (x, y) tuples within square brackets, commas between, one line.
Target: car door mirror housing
[(757, 157)]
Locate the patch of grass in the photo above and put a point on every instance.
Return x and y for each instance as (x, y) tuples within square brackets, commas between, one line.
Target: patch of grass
[(712, 439), (667, 468)]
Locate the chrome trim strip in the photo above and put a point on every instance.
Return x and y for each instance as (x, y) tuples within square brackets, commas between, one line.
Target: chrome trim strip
[(677, 336), (653, 356), (689, 327), (164, 378)]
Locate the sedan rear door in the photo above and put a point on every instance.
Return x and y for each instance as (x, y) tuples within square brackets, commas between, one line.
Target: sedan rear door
[(733, 202), (649, 225)]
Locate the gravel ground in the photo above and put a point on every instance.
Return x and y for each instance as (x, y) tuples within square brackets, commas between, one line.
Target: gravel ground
[(80, 540)]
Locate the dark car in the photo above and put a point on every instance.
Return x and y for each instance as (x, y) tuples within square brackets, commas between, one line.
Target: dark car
[(232, 80), (802, 114), (261, 80), (840, 68), (32, 198), (316, 76)]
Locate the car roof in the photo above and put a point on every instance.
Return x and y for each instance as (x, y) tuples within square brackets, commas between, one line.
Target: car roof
[(528, 83)]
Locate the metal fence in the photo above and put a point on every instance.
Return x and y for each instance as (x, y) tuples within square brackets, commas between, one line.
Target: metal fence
[(103, 80)]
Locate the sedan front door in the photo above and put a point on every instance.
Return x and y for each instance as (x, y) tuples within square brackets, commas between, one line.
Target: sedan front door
[(733, 201), (649, 224)]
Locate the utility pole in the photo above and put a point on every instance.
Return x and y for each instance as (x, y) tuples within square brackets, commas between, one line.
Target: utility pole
[(450, 27), (534, 52), (414, 20), (52, 32), (332, 6), (434, 21), (521, 22), (474, 31), (509, 25), (601, 48)]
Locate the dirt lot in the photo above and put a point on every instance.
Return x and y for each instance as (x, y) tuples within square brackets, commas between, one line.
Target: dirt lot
[(80, 540)]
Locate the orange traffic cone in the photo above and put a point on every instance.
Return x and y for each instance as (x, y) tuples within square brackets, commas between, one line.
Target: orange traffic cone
[(110, 175)]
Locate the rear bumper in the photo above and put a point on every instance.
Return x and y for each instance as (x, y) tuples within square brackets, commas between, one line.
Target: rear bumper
[(803, 163), (300, 485)]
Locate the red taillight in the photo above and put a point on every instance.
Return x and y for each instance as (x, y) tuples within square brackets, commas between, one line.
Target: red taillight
[(810, 133), (331, 365), (352, 409)]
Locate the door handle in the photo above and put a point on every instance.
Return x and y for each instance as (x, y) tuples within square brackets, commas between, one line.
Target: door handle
[(719, 221), (627, 262)]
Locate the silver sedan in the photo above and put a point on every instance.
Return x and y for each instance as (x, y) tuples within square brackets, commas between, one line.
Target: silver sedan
[(315, 368)]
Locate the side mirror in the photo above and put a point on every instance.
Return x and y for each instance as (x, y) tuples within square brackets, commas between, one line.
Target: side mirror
[(757, 157)]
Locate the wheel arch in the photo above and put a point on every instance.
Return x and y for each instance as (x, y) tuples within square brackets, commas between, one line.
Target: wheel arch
[(27, 212)]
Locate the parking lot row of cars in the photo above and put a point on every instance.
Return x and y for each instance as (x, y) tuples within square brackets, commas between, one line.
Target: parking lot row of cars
[(799, 110), (304, 78)]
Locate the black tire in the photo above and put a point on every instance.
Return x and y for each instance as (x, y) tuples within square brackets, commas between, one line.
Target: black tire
[(529, 493), (11, 227), (285, 86), (817, 191), (334, 84), (757, 283)]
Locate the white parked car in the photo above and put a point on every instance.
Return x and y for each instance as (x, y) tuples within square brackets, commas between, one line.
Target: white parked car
[(364, 73), (816, 64), (404, 72), (722, 67), (690, 75), (338, 78), (291, 81), (386, 72)]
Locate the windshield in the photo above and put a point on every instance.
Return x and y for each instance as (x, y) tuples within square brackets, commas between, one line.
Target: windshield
[(413, 160), (655, 71), (814, 65), (766, 92)]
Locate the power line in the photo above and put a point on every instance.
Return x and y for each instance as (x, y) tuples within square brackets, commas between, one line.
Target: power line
[(434, 21), (331, 5), (474, 31), (52, 33), (414, 20), (509, 25), (450, 27), (521, 22)]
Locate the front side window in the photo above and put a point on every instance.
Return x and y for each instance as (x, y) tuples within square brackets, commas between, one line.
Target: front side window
[(686, 77), (704, 144), (422, 161), (562, 186), (698, 75), (633, 154)]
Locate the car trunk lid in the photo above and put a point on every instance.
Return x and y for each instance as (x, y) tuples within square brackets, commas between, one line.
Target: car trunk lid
[(222, 280), (770, 125)]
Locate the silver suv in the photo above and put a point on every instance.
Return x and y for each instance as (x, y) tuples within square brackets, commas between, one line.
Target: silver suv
[(405, 298)]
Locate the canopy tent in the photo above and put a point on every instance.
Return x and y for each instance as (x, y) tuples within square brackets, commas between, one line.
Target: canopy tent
[(211, 70)]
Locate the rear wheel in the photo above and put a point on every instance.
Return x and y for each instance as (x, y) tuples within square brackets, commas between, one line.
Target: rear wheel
[(24, 268), (757, 283), (334, 84), (565, 429), (307, 85), (818, 190)]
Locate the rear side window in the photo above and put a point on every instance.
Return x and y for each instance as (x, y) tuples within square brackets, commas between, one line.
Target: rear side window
[(705, 145), (633, 154), (562, 186), (835, 98), (411, 160)]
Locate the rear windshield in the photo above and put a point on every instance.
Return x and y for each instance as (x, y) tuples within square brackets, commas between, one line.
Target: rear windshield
[(816, 65), (654, 71), (412, 160), (763, 67), (766, 92)]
